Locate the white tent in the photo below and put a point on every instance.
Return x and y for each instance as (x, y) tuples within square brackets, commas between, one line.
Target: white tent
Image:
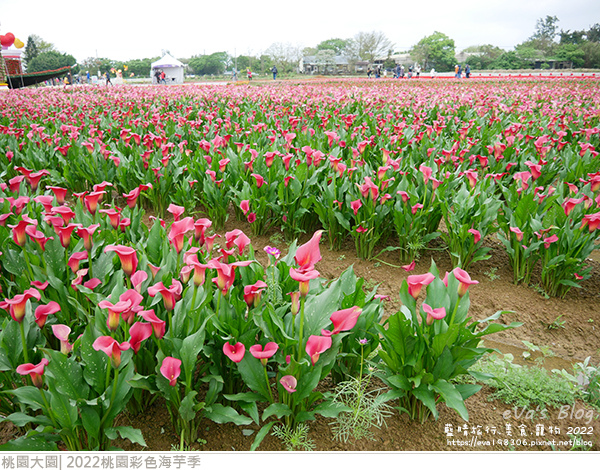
[(172, 68)]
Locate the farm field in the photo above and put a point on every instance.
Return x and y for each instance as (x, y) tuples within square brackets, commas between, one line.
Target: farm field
[(200, 267)]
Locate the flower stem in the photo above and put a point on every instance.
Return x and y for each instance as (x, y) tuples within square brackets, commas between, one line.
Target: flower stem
[(108, 367), (218, 302), (301, 328), (268, 384), (90, 275), (454, 311), (24, 342), (26, 257), (112, 396)]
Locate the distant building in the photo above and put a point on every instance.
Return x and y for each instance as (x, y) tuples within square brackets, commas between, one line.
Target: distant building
[(361, 66), (463, 57), (333, 65), (399, 59), (552, 64)]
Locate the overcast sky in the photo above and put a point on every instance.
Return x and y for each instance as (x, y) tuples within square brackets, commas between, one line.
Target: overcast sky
[(136, 29)]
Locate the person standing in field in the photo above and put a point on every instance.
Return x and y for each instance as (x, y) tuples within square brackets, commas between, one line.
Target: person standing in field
[(274, 72), (467, 71), (249, 73)]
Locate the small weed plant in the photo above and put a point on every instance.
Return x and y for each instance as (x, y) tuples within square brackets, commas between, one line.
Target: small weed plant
[(556, 324), (586, 380), (491, 273), (544, 350), (523, 386), (367, 408), (294, 438)]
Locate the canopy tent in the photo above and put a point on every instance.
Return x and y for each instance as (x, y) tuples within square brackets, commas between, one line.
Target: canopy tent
[(172, 68)]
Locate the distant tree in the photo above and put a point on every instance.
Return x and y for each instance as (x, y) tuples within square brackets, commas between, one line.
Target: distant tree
[(509, 61), (309, 51), (42, 46), (546, 28), (285, 56), (245, 61), (213, 64), (369, 46), (530, 51), (575, 37), (36, 45), (31, 50), (97, 64), (543, 38), (337, 45), (571, 53), (483, 56), (137, 67), (436, 50), (593, 34), (266, 63), (50, 61), (591, 57)]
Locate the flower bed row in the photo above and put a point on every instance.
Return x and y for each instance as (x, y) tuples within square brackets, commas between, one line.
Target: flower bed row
[(105, 314), (103, 317), (369, 162)]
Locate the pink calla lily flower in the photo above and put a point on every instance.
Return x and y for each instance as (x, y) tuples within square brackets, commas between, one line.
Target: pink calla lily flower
[(417, 281), (170, 295), (18, 303), (343, 320), (62, 332), (252, 293), (226, 273), (316, 345), (34, 371), (42, 312), (289, 383), (464, 281), (304, 278), (158, 325), (114, 312), (176, 211), (265, 354), (171, 369), (139, 332), (112, 348), (127, 255), (309, 254), (476, 235), (234, 352), (178, 231), (433, 313)]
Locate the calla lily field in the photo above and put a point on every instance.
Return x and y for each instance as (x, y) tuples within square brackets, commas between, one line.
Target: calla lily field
[(120, 287)]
